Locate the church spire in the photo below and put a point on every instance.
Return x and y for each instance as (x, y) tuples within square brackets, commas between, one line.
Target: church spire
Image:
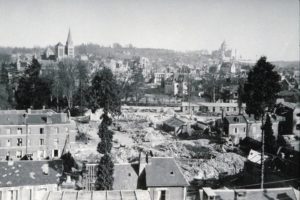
[(69, 40)]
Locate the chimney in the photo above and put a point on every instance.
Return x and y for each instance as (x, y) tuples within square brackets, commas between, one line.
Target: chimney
[(29, 110), (45, 169), (49, 120), (43, 107), (142, 162)]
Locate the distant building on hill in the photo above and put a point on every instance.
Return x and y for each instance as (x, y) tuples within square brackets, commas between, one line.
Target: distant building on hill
[(61, 51)]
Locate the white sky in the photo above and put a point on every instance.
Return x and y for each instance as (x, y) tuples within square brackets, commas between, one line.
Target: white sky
[(253, 27)]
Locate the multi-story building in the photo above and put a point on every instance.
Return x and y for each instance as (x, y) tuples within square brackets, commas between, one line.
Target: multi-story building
[(213, 108), (36, 133)]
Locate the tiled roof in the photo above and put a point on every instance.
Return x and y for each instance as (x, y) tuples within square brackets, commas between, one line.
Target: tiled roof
[(125, 176), (257, 194), (42, 118), (96, 195), (21, 173), (236, 119), (164, 172), (12, 119), (36, 117)]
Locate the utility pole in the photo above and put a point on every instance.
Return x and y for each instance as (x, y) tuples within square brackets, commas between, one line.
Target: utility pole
[(189, 94), (262, 151), (26, 127)]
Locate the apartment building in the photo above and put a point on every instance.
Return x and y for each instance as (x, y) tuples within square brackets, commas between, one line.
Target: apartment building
[(39, 134)]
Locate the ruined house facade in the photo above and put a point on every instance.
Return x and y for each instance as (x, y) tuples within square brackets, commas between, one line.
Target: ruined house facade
[(238, 127)]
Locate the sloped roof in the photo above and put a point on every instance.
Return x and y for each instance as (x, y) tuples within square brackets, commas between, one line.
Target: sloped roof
[(258, 194), (164, 172), (96, 195), (125, 176), (255, 157), (20, 119), (236, 119), (42, 118), (174, 122), (21, 173), (12, 119), (288, 104), (59, 44), (210, 104)]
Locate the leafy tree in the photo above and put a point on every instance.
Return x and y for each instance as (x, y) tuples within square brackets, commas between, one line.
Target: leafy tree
[(79, 97), (3, 74), (260, 95), (225, 95), (105, 172), (269, 135), (32, 90), (106, 137), (261, 88), (104, 93), (66, 79), (4, 103), (68, 162)]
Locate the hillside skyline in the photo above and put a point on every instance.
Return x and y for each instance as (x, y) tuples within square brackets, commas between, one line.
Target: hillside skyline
[(253, 28)]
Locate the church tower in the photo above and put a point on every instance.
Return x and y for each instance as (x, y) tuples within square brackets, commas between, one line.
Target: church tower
[(69, 48)]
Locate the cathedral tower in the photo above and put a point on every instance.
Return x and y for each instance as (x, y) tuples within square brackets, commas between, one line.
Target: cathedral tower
[(69, 48)]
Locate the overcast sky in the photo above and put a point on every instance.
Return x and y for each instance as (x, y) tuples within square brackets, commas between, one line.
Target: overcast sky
[(253, 27)]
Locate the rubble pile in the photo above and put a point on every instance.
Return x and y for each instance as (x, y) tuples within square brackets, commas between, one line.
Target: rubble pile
[(205, 169), (135, 132)]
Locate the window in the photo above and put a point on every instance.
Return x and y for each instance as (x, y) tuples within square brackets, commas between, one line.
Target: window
[(13, 195), (228, 109), (163, 195), (214, 109), (42, 141), (244, 129), (298, 127), (234, 109), (8, 143), (19, 141), (19, 131), (55, 153), (8, 131), (55, 142), (28, 142), (29, 130), (41, 130), (235, 130)]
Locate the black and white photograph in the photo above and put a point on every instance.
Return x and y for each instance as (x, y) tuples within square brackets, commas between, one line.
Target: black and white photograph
[(149, 100)]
